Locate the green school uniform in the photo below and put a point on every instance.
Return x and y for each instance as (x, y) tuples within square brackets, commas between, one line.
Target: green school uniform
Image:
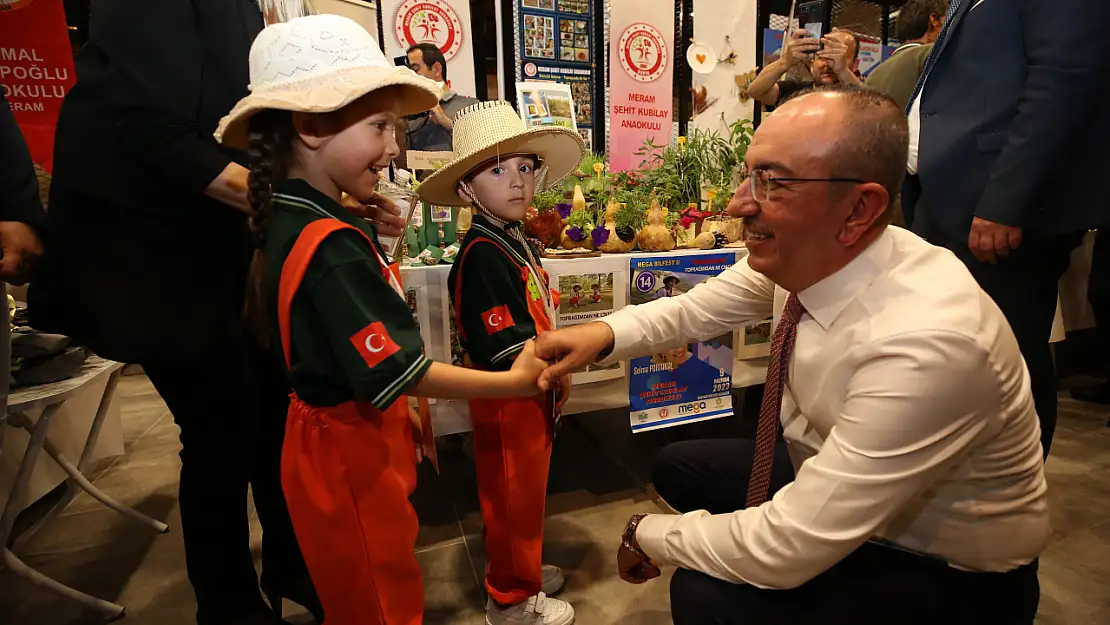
[(494, 311), (353, 336)]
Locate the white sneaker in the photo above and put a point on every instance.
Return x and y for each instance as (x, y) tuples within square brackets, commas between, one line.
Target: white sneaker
[(553, 580), (537, 610)]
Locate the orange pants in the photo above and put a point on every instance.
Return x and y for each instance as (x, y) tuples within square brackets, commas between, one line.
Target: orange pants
[(512, 452), (347, 472)]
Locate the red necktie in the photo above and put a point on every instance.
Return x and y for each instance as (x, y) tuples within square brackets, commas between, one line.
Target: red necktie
[(782, 346)]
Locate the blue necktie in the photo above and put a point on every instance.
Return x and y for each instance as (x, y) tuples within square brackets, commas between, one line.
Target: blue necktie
[(953, 6)]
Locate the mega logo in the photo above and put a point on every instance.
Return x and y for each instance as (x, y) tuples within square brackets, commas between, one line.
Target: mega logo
[(643, 52), (429, 21), (694, 408)]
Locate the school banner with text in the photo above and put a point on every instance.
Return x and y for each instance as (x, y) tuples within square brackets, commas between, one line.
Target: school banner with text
[(445, 23), (36, 69), (641, 70)]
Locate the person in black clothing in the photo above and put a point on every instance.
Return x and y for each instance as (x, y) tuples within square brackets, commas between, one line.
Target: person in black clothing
[(149, 249), (21, 216)]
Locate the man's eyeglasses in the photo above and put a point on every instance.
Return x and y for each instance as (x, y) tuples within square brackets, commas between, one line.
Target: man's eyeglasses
[(763, 183)]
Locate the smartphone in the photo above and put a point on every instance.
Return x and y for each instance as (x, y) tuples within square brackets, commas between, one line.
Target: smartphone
[(812, 17)]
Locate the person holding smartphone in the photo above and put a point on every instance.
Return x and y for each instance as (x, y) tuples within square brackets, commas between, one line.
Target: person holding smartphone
[(832, 59)]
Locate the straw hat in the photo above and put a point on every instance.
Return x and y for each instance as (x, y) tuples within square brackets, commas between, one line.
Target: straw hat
[(487, 130), (319, 64)]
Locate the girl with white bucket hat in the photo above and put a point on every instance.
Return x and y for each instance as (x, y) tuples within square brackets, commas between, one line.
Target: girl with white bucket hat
[(319, 122)]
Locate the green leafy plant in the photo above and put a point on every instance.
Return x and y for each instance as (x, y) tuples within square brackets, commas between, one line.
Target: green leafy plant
[(546, 200), (582, 219)]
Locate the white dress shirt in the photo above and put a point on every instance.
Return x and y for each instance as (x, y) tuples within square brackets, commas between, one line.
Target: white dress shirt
[(907, 413), (914, 121)]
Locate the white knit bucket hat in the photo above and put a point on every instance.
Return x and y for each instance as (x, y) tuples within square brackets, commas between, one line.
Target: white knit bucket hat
[(319, 64), (488, 130)]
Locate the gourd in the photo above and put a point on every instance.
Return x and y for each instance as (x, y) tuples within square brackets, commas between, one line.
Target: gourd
[(579, 218), (614, 244), (656, 237)]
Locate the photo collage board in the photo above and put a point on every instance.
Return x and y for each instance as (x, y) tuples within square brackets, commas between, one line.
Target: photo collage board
[(556, 44)]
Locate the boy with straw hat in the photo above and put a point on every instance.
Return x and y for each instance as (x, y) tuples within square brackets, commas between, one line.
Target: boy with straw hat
[(498, 165)]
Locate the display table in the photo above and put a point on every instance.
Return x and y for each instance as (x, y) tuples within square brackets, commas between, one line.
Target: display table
[(449, 417)]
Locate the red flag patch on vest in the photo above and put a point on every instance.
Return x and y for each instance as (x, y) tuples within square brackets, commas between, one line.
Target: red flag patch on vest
[(374, 344), (497, 319)]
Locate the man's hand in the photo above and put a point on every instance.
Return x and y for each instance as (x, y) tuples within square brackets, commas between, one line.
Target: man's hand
[(835, 54), (380, 211), (20, 249), (574, 348), (635, 568), (990, 241), (441, 118), (800, 48)]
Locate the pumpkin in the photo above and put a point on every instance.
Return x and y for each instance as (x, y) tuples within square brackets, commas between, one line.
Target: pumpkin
[(656, 237), (615, 244)]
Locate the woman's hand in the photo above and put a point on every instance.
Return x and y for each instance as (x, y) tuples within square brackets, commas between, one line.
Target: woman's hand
[(380, 211), (526, 371)]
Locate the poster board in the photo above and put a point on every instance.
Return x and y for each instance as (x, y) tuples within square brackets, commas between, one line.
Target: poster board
[(545, 104), (693, 381), (587, 295)]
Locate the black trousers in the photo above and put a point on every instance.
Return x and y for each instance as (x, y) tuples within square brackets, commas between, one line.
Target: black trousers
[(1025, 286), (1098, 286), (230, 403), (875, 585)]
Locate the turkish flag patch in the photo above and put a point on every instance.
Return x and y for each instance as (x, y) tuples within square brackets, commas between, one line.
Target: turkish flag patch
[(374, 344), (497, 319)]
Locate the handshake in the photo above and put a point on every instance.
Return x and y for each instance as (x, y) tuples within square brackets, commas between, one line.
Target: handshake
[(547, 362)]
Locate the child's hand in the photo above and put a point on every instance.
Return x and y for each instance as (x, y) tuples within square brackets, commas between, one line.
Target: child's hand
[(562, 392), (417, 434), (527, 369)]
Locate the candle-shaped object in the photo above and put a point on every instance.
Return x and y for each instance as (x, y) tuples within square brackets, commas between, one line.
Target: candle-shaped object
[(599, 167)]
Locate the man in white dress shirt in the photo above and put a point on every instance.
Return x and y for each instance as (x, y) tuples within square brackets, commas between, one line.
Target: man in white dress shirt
[(919, 494)]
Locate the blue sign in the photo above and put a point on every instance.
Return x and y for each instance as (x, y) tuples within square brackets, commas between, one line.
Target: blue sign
[(693, 381)]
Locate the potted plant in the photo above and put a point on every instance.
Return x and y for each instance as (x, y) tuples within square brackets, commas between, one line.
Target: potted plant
[(579, 225), (656, 235), (543, 221)]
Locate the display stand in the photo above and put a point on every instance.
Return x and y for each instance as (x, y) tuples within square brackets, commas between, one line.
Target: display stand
[(50, 398), (451, 417)]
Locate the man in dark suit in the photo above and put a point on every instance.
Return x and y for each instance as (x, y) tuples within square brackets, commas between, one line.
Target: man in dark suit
[(1008, 162)]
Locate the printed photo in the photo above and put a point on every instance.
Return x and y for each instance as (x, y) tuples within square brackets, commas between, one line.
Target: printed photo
[(547, 5), (529, 21), (566, 54), (584, 298), (580, 26), (580, 41)]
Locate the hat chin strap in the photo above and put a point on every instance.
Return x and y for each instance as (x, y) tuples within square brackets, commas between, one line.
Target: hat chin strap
[(481, 207)]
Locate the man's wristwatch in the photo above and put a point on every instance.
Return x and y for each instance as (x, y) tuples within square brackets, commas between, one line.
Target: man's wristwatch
[(629, 536)]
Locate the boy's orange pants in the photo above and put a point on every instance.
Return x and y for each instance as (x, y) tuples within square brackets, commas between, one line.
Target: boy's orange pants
[(347, 472), (512, 452)]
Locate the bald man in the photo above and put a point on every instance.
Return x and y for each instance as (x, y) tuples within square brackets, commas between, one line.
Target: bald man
[(831, 60), (910, 487)]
